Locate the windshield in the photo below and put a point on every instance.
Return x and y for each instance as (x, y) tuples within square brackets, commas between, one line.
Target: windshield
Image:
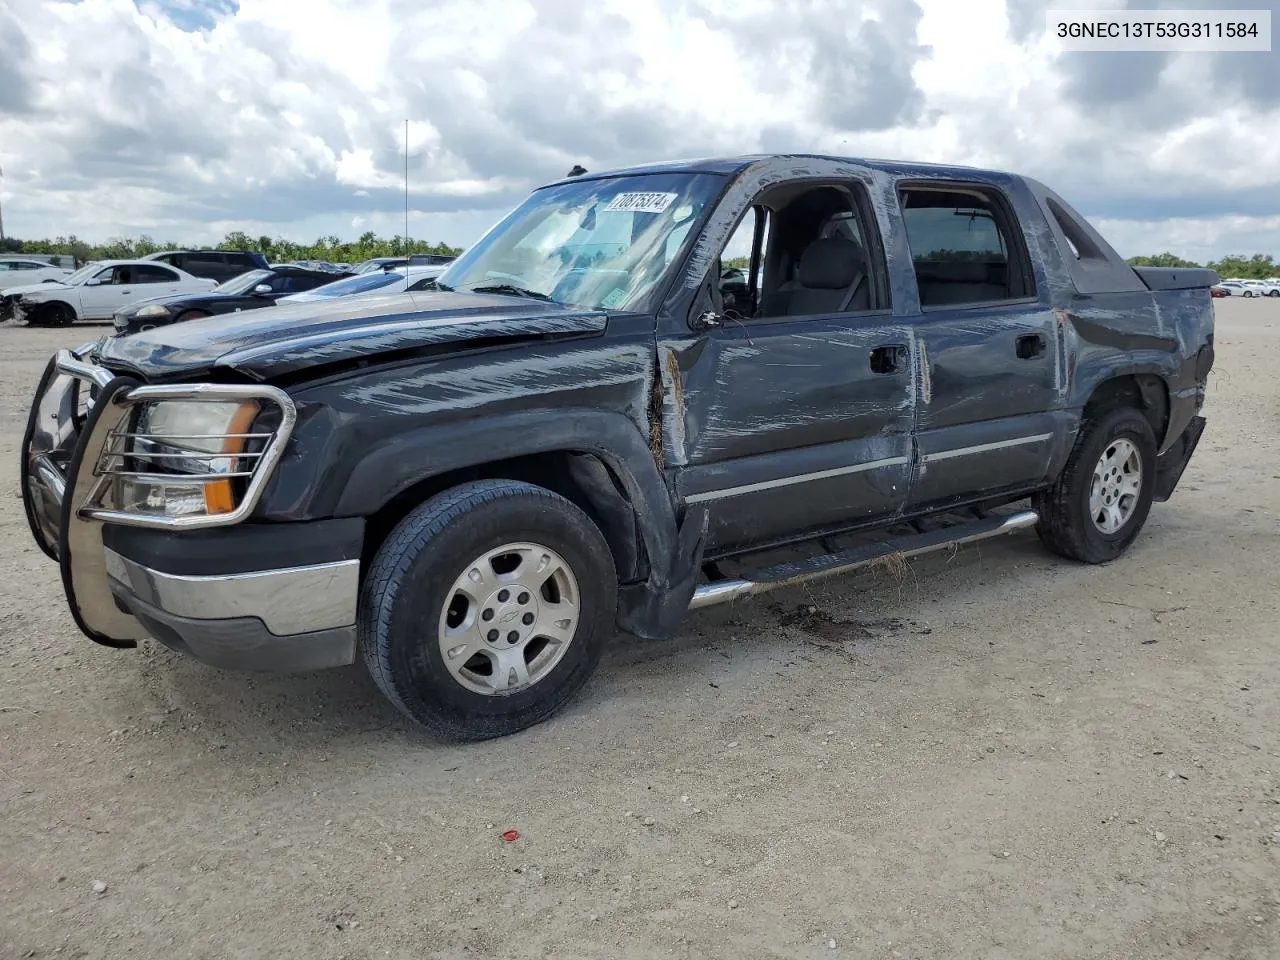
[(600, 244), (357, 284), (82, 274), (244, 282), (375, 264)]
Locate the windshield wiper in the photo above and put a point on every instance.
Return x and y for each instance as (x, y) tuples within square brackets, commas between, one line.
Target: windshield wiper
[(513, 290)]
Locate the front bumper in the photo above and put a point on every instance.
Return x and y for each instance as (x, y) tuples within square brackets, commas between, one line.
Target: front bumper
[(252, 596)]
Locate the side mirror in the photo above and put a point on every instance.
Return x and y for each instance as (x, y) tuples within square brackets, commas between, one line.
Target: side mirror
[(93, 282), (262, 288)]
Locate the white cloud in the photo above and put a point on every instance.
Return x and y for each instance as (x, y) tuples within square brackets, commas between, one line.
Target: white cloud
[(187, 118)]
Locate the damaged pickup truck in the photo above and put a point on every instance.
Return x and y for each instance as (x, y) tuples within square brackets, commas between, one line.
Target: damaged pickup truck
[(579, 431)]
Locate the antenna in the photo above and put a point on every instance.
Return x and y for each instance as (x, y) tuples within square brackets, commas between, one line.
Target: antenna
[(406, 204)]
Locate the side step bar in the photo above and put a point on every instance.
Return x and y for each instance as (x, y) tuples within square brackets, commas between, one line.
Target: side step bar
[(786, 574)]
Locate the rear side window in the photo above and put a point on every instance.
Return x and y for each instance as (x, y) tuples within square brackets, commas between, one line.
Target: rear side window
[(150, 273), (966, 247), (207, 265)]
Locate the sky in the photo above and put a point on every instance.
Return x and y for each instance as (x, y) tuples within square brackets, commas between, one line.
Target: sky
[(186, 119)]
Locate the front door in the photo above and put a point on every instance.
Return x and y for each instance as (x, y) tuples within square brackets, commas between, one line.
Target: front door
[(794, 415), (113, 290), (989, 348)]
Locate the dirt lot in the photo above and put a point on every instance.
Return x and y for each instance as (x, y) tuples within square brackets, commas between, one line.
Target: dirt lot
[(998, 755)]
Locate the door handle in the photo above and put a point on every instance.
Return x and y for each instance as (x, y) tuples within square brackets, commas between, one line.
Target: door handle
[(888, 358), (1030, 346)]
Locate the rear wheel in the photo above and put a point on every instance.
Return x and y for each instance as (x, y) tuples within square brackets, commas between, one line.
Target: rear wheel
[(1103, 496), (486, 608)]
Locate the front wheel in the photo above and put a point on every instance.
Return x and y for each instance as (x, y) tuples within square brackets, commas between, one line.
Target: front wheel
[(1101, 500), (1273, 293), (486, 609)]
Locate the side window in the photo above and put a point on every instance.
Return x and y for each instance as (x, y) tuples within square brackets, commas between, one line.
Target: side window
[(965, 247), (106, 275), (205, 265), (26, 265), (737, 292), (821, 255), (289, 283), (122, 275), (147, 273)]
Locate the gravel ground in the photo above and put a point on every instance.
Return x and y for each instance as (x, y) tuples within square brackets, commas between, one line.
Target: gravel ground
[(994, 755)]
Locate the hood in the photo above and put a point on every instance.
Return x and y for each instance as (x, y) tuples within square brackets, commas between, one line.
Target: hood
[(48, 286), (284, 339), (191, 296)]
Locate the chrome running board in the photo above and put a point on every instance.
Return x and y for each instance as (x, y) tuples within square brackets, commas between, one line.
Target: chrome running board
[(786, 574)]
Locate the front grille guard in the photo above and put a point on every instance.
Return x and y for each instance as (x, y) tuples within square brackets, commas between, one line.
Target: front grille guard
[(58, 420), (253, 467), (64, 450)]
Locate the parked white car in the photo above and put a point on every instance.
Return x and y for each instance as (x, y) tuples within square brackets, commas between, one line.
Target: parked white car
[(1271, 288), (96, 291), (1239, 288), (17, 270), (370, 284)]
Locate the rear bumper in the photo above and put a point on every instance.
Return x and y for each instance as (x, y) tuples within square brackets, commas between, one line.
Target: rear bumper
[(250, 596)]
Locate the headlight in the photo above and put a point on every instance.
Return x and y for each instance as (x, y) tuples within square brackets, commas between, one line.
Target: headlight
[(153, 310), (174, 440), (189, 456)]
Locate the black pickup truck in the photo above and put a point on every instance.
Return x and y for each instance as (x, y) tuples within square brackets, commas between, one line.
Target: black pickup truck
[(578, 431)]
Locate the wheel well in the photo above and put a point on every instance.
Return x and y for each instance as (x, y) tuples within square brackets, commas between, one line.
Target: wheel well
[(51, 305), (583, 479), (1143, 391)]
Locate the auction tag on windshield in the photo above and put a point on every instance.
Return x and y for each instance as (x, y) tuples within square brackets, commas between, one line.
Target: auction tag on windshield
[(641, 202)]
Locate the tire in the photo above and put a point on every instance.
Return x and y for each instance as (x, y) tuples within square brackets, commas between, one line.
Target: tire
[(1067, 523), (1273, 293), (52, 315), (61, 315), (1248, 293), (411, 599)]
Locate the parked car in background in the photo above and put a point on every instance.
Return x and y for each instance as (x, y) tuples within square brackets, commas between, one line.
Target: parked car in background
[(417, 260), (1237, 288), (249, 291), (16, 271), (1217, 290), (366, 284), (97, 290), (216, 265)]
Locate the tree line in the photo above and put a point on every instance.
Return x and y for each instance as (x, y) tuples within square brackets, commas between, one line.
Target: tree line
[(276, 249), (1260, 266)]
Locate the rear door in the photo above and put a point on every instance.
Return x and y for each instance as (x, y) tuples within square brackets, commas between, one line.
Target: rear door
[(114, 290), (988, 347)]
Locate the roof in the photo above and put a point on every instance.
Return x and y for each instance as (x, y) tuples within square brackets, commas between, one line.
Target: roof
[(730, 166)]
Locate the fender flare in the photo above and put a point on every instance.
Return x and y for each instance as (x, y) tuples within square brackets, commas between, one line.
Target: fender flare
[(408, 458)]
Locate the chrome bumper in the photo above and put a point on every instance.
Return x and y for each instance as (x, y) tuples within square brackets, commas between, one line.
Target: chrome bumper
[(299, 618)]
